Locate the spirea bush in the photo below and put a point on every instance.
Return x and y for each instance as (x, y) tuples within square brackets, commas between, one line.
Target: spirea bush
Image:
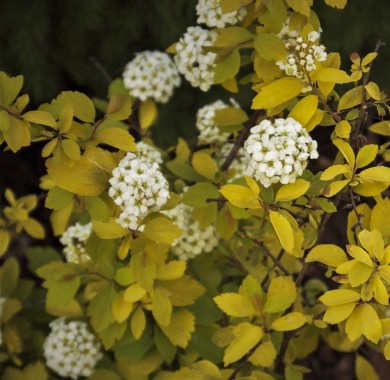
[(210, 259)]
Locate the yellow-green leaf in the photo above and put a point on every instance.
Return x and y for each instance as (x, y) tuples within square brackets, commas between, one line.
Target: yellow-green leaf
[(134, 293), (334, 171), (240, 196), (340, 4), (339, 297), (40, 117), (120, 308), (34, 228), (161, 307), (350, 99), (277, 92), (283, 230), (118, 138), (246, 336), (300, 6), (4, 241), (83, 107), (227, 68), (119, 107), (364, 370), (234, 304), (328, 254), (304, 110), (204, 165), (9, 88), (378, 173), (17, 134), (161, 230), (288, 322), (71, 149), (147, 113), (281, 294), (346, 151), (264, 356), (366, 155), (138, 323), (172, 270), (109, 230), (230, 116), (343, 129), (292, 190), (332, 75), (269, 46), (339, 313)]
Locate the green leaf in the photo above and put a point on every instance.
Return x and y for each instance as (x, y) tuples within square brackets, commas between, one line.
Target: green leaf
[(9, 275), (292, 190), (118, 138), (204, 165), (269, 46), (165, 348), (283, 230), (198, 194), (234, 304), (57, 198), (103, 374), (227, 68), (277, 92), (83, 107), (240, 196), (39, 256), (230, 116)]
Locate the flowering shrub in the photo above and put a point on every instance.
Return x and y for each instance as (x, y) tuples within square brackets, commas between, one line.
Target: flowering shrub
[(208, 260)]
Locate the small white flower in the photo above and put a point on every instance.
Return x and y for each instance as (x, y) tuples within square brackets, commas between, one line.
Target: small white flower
[(284, 157), (313, 36), (192, 61), (74, 239), (210, 13), (149, 152), (70, 349), (151, 75)]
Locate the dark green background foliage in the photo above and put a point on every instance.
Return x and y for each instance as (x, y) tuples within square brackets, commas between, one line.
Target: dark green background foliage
[(59, 45)]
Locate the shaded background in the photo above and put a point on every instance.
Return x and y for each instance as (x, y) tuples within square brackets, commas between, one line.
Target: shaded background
[(74, 45)]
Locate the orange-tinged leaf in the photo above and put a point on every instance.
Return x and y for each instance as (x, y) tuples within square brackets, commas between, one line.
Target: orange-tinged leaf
[(289, 322), (339, 297), (234, 304), (277, 92), (283, 230)]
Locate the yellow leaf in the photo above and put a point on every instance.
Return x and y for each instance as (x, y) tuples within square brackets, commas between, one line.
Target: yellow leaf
[(4, 241), (386, 350), (48, 149), (230, 85), (9, 88), (281, 294), (360, 254), (228, 6), (315, 120), (334, 171), (269, 46), (180, 328), (283, 230), (71, 149), (118, 138), (119, 107), (240, 196), (134, 293), (369, 189), (234, 304), (246, 336), (366, 155), (369, 58), (147, 113), (40, 117), (17, 134), (328, 254), (161, 307), (339, 297), (378, 173), (350, 99), (232, 36), (346, 151), (172, 270), (305, 109), (183, 291), (364, 321), (288, 322), (338, 313), (380, 212), (373, 90), (343, 129), (109, 230), (336, 3), (83, 107), (70, 310), (120, 308), (277, 92), (161, 230), (34, 228), (204, 165), (230, 116), (264, 355), (252, 184), (59, 219), (364, 370), (138, 323), (300, 6), (292, 190), (332, 75), (334, 187)]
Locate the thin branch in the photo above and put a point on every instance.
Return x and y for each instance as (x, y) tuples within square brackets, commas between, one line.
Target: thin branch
[(358, 216), (241, 139), (101, 68)]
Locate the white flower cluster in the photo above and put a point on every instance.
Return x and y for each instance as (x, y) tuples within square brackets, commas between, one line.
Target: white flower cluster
[(302, 57), (193, 240), (192, 61), (74, 239), (2, 300), (209, 133), (151, 74), (210, 13), (239, 164), (287, 34), (138, 188), (70, 349), (279, 151), (149, 152)]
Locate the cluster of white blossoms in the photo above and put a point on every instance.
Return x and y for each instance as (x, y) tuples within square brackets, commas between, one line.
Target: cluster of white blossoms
[(151, 74), (193, 241), (279, 151), (74, 239), (210, 13), (149, 152), (70, 349), (239, 164), (138, 188), (287, 34), (302, 57), (209, 133), (192, 61), (2, 299)]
